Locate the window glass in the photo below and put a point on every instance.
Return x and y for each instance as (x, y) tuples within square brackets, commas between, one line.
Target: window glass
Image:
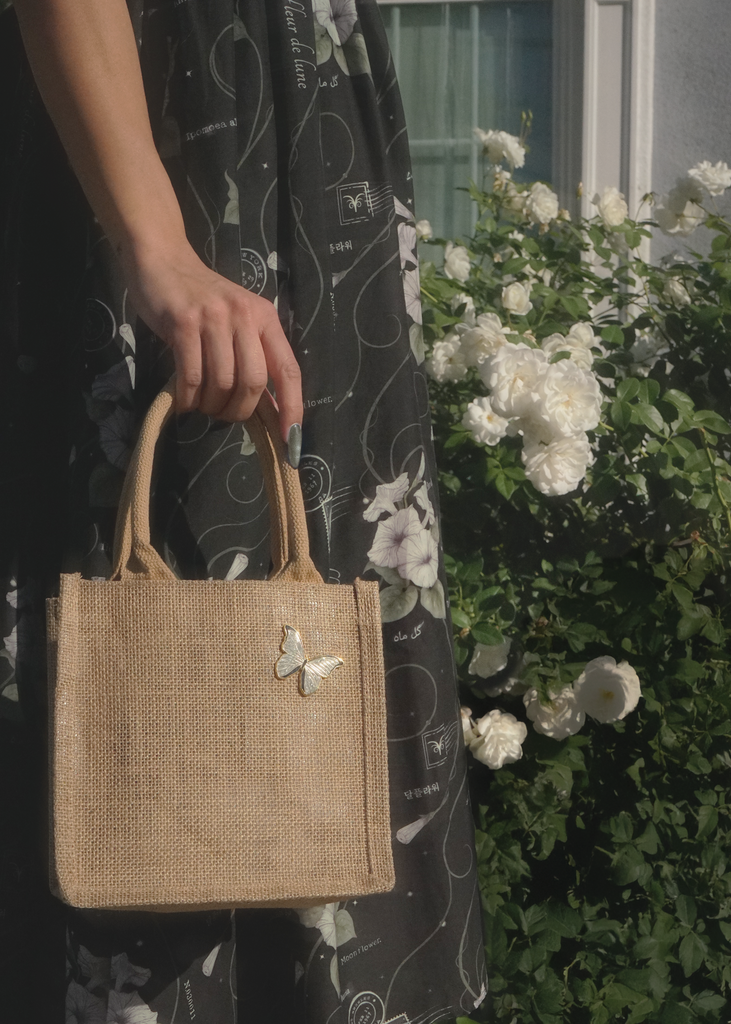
[(463, 65)]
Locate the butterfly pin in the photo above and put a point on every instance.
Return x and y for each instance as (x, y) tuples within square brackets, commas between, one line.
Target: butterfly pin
[(293, 659)]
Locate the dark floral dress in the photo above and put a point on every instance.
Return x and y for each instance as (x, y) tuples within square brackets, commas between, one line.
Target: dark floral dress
[(281, 127)]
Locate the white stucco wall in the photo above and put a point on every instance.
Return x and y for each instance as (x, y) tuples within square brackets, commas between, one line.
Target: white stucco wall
[(692, 101)]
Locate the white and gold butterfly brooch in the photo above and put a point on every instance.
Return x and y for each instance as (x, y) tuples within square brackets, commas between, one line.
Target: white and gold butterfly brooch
[(293, 659)]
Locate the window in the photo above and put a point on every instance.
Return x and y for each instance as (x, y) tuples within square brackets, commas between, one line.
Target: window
[(585, 68), (462, 65)]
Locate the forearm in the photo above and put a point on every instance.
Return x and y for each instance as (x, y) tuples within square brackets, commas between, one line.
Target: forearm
[(84, 59)]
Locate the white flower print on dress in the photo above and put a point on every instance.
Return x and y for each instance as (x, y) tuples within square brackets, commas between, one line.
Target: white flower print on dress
[(334, 924), (405, 551), (419, 559), (335, 21), (391, 535), (82, 1007), (129, 1008), (412, 294), (421, 497), (386, 497), (407, 236), (337, 17)]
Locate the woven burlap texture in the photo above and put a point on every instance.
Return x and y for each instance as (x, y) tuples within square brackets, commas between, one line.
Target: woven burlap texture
[(184, 773)]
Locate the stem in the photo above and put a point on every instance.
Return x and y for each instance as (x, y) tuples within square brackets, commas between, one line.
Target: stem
[(714, 477)]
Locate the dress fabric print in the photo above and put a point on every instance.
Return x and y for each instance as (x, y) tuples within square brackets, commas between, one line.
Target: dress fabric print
[(281, 127)]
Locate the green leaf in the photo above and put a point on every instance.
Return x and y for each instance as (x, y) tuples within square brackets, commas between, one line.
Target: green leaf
[(712, 421), (621, 413), (628, 389), (692, 953), (696, 462), (457, 437), (504, 485), (472, 570), (649, 416), (682, 402), (459, 618), (649, 390), (707, 822), (576, 307), (629, 865), (484, 633), (692, 622), (687, 910), (613, 335), (708, 1001)]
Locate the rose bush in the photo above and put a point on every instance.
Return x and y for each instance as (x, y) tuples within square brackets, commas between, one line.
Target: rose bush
[(581, 401)]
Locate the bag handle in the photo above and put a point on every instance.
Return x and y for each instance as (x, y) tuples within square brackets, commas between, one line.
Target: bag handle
[(134, 555)]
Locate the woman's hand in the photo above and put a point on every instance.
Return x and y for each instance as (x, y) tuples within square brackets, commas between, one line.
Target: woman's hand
[(226, 340)]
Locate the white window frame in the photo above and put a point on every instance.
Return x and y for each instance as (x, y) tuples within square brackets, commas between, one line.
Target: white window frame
[(603, 74)]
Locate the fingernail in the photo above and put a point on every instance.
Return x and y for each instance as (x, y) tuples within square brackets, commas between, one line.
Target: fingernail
[(294, 445)]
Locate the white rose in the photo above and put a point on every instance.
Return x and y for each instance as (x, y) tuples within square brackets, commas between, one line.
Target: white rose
[(483, 339), (500, 179), (447, 360), (568, 400), (683, 223), (512, 376), (516, 299), (513, 199), (607, 691), (485, 425), (559, 719), (498, 146), (489, 659), (577, 350), (424, 230), (557, 467), (499, 738), (514, 152), (584, 333), (456, 262), (468, 726), (715, 178), (686, 190), (541, 204), (675, 292), (680, 212), (647, 348), (611, 206), (463, 299)]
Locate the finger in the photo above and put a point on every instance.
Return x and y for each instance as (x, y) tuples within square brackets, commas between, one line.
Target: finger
[(285, 372), (251, 376), (188, 369), (219, 366)]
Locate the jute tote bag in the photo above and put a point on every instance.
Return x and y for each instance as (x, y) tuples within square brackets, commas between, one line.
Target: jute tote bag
[(217, 743)]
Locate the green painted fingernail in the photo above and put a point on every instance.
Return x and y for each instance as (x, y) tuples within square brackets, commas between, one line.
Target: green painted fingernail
[(294, 445)]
